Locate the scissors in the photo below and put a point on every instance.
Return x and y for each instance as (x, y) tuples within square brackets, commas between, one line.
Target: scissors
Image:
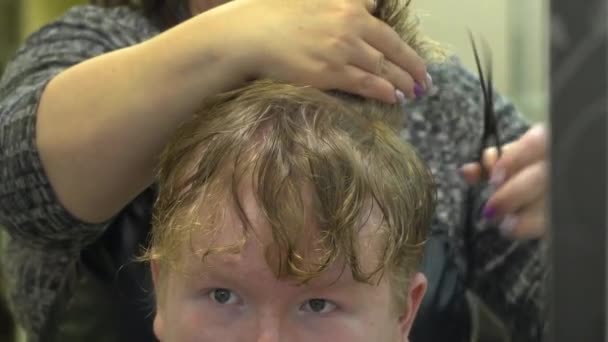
[(490, 126), (489, 135)]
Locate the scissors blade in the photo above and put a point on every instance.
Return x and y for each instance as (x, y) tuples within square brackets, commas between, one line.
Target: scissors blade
[(486, 80), (491, 118), (479, 69)]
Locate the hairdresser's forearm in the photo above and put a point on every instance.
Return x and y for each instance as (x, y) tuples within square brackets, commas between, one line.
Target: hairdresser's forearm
[(101, 124)]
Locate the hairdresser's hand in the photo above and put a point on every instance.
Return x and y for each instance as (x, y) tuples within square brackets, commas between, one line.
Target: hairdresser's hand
[(520, 178), (334, 44)]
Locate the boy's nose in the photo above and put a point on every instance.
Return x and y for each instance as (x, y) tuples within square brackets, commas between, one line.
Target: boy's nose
[(269, 326), (268, 336)]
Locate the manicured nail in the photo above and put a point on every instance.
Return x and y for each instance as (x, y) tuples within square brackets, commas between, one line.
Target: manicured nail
[(489, 212), (429, 81), (507, 226), (431, 89), (419, 90), (498, 177), (400, 97)]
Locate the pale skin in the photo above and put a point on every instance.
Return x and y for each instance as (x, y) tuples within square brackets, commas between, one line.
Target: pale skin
[(131, 112), (237, 297)]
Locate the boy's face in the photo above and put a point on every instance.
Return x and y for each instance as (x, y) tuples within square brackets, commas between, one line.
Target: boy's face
[(237, 297)]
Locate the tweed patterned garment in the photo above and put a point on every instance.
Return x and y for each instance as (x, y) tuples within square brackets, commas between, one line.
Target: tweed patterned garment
[(45, 241)]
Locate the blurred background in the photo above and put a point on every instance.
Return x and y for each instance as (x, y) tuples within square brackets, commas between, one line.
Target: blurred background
[(516, 31)]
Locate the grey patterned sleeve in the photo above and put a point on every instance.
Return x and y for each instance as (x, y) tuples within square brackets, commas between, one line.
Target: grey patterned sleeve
[(29, 209), (45, 240), (508, 275)]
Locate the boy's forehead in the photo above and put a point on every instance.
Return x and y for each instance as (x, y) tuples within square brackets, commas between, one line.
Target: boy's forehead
[(249, 264), (243, 245), (230, 228)]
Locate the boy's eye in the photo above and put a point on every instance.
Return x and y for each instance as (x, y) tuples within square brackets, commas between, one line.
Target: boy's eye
[(320, 306), (223, 296)]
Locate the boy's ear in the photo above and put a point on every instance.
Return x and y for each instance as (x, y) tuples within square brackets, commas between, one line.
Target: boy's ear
[(415, 294), (158, 317)]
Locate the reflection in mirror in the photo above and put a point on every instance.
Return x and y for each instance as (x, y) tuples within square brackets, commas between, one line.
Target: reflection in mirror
[(492, 284)]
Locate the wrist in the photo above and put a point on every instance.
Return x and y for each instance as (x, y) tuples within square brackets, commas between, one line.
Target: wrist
[(229, 35)]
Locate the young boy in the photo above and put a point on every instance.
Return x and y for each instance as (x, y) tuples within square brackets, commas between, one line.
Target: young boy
[(288, 214)]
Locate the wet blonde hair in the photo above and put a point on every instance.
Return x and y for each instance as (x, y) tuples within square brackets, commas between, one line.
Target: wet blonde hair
[(282, 138)]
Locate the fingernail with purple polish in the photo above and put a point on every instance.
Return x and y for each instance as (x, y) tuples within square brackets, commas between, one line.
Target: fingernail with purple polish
[(431, 90), (429, 81), (400, 97), (418, 90), (507, 226), (489, 213)]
